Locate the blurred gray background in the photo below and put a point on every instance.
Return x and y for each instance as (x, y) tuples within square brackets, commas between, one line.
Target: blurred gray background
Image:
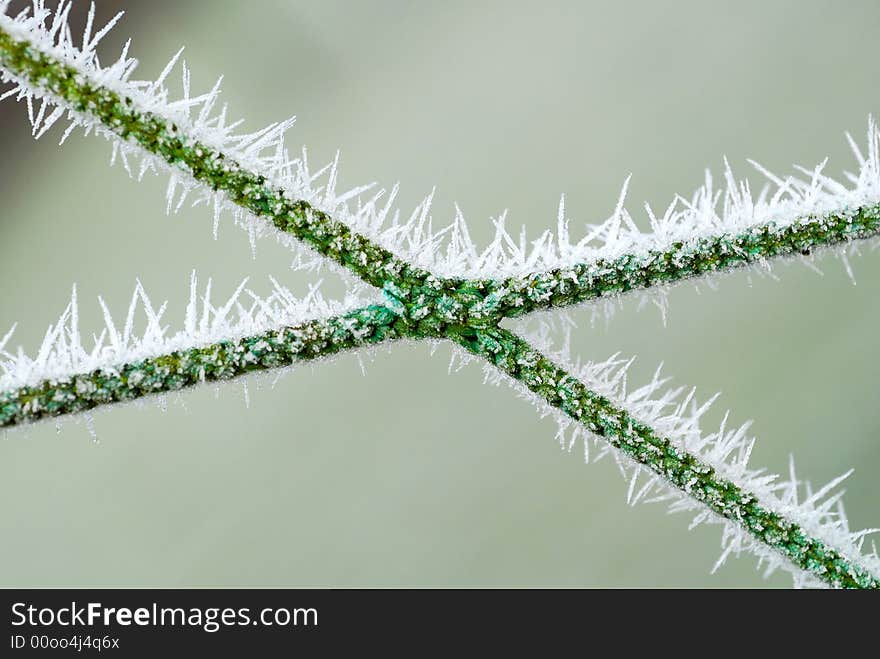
[(410, 476)]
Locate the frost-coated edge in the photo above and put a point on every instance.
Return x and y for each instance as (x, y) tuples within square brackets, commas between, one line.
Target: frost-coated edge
[(817, 546), (188, 367)]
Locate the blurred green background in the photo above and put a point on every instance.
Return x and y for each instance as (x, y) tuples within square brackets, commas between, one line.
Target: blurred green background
[(410, 476)]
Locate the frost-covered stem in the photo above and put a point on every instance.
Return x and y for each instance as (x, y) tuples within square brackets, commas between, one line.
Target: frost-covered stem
[(162, 138), (185, 368), (687, 473), (682, 260), (419, 302)]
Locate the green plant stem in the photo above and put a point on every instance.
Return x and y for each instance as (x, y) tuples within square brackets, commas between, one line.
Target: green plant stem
[(162, 138), (519, 360), (579, 283), (210, 363)]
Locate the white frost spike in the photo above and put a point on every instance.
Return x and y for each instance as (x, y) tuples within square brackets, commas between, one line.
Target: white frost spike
[(89, 421), (676, 415), (5, 340), (62, 354), (447, 251)]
